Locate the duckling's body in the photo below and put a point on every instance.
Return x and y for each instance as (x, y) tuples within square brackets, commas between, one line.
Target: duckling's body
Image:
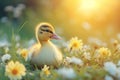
[(48, 54), (45, 52)]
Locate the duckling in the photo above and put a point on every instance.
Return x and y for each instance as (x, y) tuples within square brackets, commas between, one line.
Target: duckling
[(45, 52)]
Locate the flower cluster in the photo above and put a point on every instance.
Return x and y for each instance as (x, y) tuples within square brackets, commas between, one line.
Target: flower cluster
[(24, 53), (75, 45), (103, 52), (45, 70), (112, 69), (85, 62), (17, 11), (15, 70), (6, 57)]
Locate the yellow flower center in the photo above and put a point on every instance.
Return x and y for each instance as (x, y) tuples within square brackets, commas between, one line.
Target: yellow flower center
[(75, 44), (104, 53), (47, 72), (14, 71), (24, 54)]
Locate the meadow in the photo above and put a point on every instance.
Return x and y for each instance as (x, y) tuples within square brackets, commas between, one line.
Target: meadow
[(90, 39), (93, 60)]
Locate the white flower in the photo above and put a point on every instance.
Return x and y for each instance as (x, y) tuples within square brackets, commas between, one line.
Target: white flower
[(6, 57), (86, 26), (9, 8), (110, 67), (118, 64), (113, 70), (87, 55), (21, 6), (4, 43), (107, 77), (86, 48), (4, 19), (17, 12), (17, 45), (74, 60), (6, 49), (68, 73), (17, 38), (118, 73), (96, 41)]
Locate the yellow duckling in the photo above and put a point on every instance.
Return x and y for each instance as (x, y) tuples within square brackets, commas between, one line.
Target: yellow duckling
[(45, 52)]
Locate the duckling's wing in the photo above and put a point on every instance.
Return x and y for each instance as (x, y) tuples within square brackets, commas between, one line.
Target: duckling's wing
[(33, 50), (57, 56)]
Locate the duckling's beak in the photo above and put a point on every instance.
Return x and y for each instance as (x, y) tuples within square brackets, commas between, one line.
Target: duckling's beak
[(55, 36)]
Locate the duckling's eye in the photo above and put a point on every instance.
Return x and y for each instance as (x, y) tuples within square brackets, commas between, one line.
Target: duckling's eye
[(41, 32), (47, 30)]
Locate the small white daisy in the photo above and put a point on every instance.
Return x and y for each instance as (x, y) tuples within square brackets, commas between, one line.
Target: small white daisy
[(107, 77), (118, 64), (17, 38), (6, 57), (86, 48), (6, 49), (9, 8), (68, 73), (74, 60), (87, 55), (118, 73), (110, 67)]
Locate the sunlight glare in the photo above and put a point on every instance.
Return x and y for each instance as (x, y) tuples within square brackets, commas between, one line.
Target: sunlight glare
[(88, 5)]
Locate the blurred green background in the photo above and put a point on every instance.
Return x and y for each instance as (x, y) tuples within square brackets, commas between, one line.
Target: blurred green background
[(82, 18)]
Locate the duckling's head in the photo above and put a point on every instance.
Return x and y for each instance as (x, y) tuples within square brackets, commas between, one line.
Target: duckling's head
[(45, 32)]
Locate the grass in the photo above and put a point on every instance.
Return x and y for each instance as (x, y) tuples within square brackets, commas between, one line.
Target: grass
[(92, 69)]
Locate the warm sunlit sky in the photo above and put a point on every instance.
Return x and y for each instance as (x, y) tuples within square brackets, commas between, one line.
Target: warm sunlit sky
[(93, 11), (92, 6), (96, 10), (77, 15)]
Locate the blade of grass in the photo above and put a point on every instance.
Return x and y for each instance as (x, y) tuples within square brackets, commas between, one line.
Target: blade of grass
[(13, 35), (21, 27)]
